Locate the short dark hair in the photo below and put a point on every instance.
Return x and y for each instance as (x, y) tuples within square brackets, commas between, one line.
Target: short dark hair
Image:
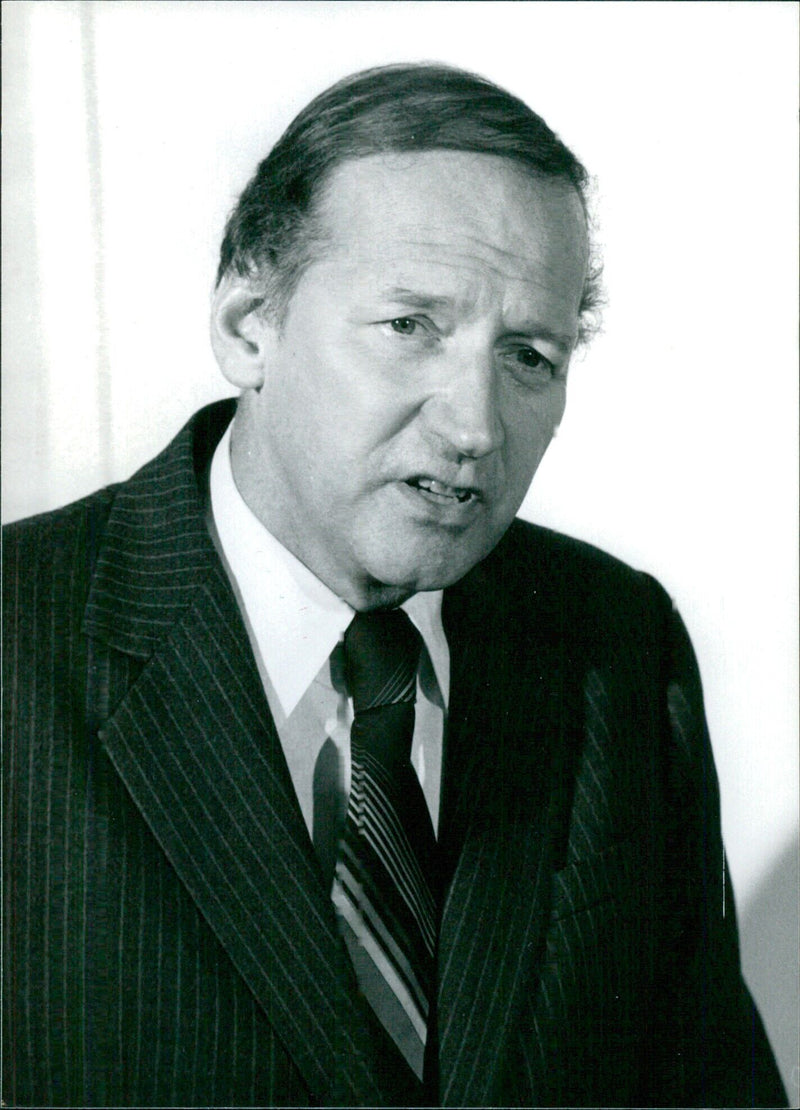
[(397, 108)]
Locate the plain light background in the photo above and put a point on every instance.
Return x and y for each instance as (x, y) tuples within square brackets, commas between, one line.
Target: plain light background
[(130, 128)]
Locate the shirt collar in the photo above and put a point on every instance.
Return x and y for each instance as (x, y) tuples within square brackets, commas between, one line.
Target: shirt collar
[(295, 618)]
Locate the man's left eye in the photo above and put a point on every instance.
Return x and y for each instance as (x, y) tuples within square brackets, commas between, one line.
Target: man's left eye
[(532, 359)]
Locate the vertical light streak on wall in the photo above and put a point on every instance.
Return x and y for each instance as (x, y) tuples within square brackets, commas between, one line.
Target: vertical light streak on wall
[(25, 379), (103, 383), (66, 246)]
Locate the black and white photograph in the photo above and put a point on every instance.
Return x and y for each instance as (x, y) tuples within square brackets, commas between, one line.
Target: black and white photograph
[(400, 553)]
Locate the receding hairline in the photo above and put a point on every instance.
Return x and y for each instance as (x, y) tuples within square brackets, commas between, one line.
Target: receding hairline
[(273, 233)]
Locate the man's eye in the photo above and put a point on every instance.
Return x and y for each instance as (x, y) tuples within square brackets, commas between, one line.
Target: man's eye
[(404, 325), (531, 359), (530, 367)]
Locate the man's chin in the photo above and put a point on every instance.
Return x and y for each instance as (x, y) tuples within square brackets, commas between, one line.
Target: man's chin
[(401, 577)]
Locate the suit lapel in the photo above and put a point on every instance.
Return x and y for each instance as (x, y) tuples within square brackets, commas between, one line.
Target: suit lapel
[(499, 818), (197, 749)]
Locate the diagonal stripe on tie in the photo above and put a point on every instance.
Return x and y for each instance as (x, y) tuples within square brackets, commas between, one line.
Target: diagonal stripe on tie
[(385, 888), (409, 881), (388, 839), (398, 687), (384, 929)]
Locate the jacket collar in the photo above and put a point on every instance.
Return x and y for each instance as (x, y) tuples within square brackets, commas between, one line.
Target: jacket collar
[(156, 550)]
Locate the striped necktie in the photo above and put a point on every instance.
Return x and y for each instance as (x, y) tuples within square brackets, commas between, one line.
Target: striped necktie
[(385, 887)]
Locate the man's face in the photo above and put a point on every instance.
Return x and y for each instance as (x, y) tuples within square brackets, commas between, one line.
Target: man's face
[(419, 373)]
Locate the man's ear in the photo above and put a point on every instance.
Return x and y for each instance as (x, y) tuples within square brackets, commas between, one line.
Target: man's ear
[(241, 336)]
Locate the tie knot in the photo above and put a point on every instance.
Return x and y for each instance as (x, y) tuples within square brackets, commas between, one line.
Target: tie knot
[(382, 654)]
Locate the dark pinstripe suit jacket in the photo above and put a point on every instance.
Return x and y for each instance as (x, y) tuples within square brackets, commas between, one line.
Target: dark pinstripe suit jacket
[(168, 938)]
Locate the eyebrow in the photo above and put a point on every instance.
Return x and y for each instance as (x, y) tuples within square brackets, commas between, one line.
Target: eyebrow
[(415, 300), (561, 339), (431, 301)]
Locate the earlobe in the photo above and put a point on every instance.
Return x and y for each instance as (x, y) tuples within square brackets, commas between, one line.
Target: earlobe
[(240, 335)]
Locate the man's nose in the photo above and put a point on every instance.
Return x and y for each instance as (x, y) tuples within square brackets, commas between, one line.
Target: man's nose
[(464, 410)]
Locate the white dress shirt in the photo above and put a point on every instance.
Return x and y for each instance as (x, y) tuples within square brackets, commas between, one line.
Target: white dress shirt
[(296, 625)]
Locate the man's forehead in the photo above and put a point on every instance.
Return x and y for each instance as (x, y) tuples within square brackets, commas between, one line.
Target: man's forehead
[(438, 222), (441, 196), (443, 266)]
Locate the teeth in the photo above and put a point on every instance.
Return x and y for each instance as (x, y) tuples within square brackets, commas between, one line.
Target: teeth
[(442, 490), (437, 487)]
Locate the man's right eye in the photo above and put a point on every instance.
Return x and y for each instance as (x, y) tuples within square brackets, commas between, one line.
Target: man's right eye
[(404, 325)]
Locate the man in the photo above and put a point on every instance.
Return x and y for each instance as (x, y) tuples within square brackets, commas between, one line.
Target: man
[(328, 781)]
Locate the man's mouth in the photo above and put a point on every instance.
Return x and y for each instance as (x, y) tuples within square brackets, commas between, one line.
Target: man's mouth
[(439, 491)]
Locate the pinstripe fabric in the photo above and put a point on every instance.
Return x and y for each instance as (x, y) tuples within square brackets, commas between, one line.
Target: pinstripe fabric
[(593, 840), (168, 940), (116, 990)]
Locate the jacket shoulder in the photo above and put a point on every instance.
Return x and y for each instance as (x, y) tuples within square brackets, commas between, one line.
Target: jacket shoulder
[(578, 573), (42, 524), (54, 550)]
